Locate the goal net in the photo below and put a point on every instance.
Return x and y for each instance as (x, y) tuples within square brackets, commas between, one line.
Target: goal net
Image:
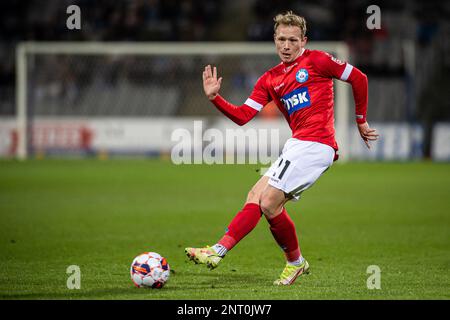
[(105, 98)]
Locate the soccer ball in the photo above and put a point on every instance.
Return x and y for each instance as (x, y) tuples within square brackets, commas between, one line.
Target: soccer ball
[(149, 270)]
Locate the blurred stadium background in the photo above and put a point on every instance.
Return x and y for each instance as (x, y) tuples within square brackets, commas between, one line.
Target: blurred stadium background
[(127, 104)]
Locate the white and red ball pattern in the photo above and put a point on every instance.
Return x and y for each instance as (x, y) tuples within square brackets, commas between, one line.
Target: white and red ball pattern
[(149, 270)]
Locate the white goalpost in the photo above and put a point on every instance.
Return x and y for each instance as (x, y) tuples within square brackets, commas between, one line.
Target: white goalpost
[(34, 67)]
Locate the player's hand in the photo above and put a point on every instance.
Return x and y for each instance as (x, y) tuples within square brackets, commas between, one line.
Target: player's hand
[(367, 134), (211, 85)]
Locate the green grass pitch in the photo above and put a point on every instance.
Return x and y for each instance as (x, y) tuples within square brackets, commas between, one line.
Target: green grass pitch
[(100, 214)]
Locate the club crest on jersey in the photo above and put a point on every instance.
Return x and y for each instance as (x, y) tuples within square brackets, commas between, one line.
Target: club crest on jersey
[(297, 99), (302, 75)]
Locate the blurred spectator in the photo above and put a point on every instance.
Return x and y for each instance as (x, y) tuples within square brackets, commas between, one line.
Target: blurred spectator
[(101, 20)]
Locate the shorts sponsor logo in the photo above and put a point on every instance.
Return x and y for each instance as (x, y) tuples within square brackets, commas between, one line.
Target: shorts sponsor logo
[(302, 75), (297, 99)]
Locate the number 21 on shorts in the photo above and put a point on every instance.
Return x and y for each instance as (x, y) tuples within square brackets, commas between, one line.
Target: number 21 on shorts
[(281, 170)]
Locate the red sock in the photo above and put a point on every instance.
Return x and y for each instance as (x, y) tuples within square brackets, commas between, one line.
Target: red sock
[(244, 222), (283, 230)]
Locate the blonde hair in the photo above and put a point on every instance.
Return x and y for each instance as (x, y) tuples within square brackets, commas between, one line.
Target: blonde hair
[(290, 19)]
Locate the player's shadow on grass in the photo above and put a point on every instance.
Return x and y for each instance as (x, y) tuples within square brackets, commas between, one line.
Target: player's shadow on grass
[(230, 278), (214, 273)]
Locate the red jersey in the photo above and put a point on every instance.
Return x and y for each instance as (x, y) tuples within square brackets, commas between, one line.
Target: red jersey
[(303, 92)]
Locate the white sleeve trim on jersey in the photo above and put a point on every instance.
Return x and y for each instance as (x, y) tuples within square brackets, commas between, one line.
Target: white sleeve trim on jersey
[(253, 104), (348, 69)]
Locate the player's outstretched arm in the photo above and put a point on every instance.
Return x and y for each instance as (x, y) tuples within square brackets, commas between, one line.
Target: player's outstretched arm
[(367, 134), (211, 85)]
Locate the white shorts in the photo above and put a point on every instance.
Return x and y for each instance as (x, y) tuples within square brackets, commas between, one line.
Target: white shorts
[(300, 164)]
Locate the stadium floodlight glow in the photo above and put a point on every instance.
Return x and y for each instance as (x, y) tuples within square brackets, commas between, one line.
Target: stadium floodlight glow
[(26, 52)]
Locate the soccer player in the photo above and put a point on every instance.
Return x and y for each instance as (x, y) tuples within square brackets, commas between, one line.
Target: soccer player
[(302, 88)]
